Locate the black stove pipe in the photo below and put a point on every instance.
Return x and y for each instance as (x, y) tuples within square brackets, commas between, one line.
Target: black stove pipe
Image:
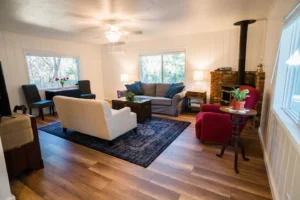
[(243, 46)]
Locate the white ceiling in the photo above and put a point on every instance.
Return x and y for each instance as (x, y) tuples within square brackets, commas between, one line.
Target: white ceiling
[(81, 19)]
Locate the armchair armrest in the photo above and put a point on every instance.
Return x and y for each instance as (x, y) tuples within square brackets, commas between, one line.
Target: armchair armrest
[(210, 108), (218, 123), (120, 122), (122, 112), (210, 119), (119, 116)]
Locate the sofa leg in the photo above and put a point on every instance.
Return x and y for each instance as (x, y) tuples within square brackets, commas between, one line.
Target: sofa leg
[(64, 130), (135, 130)]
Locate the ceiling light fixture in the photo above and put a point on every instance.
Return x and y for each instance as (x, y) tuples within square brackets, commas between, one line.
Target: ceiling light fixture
[(113, 36)]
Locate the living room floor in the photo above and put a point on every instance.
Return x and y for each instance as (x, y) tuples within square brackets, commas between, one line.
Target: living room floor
[(186, 170)]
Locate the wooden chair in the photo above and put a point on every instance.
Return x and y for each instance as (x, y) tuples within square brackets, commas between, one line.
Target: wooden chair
[(34, 100), (85, 89)]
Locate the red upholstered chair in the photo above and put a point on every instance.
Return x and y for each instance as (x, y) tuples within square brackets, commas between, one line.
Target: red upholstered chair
[(214, 126)]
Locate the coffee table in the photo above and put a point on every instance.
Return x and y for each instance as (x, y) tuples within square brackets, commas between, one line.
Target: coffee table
[(142, 107)]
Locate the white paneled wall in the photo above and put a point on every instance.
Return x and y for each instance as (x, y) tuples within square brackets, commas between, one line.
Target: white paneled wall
[(282, 156), (281, 151)]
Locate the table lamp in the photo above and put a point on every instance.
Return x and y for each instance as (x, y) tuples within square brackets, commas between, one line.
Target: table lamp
[(198, 76), (124, 78)]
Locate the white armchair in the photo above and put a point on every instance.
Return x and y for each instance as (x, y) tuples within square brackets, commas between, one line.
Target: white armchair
[(94, 117)]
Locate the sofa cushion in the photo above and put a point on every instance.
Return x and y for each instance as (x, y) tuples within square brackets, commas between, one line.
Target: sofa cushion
[(161, 89), (149, 89), (156, 100), (173, 90), (161, 101), (135, 88), (142, 97)]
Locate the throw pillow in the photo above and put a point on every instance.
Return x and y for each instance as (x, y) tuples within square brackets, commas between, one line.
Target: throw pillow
[(135, 88), (173, 90)]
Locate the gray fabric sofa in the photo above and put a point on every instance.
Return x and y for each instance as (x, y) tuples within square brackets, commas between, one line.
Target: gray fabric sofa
[(161, 105)]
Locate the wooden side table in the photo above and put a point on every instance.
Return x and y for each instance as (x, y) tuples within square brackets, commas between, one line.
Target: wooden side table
[(195, 95), (237, 118)]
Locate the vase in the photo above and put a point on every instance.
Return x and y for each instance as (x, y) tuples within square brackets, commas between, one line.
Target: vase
[(238, 105)]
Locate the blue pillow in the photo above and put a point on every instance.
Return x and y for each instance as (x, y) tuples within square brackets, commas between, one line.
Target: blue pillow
[(135, 88), (173, 90)]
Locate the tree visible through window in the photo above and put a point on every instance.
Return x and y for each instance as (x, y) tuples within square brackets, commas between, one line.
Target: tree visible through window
[(44, 69), (163, 68)]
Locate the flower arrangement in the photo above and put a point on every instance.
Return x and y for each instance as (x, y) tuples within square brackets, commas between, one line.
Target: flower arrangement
[(129, 96), (62, 81)]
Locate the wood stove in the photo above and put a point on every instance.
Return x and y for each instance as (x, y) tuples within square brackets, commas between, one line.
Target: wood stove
[(226, 95)]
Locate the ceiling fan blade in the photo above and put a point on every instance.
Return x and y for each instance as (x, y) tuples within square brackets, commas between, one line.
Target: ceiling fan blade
[(139, 32), (91, 28), (116, 43), (76, 15)]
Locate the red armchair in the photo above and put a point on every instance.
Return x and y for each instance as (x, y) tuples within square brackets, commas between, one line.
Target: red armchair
[(214, 126)]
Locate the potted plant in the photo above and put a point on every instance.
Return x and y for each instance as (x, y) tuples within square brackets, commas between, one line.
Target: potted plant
[(238, 102), (129, 96)]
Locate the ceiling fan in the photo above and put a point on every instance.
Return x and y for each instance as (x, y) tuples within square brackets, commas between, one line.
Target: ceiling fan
[(114, 34), (116, 28)]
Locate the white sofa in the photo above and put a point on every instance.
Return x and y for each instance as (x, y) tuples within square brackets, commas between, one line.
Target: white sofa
[(94, 117)]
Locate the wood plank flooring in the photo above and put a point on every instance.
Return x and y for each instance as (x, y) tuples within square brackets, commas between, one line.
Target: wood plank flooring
[(186, 170)]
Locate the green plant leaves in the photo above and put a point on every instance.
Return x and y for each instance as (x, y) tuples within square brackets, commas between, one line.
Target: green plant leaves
[(239, 95)]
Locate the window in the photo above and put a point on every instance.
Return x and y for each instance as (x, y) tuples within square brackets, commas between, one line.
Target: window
[(288, 74), (163, 68), (44, 69)]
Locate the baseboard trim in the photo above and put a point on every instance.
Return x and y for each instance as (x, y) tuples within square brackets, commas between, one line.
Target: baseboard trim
[(274, 190)]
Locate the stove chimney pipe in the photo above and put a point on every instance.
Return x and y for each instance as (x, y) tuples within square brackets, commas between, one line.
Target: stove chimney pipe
[(243, 46)]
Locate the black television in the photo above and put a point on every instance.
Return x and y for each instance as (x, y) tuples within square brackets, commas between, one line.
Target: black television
[(4, 101)]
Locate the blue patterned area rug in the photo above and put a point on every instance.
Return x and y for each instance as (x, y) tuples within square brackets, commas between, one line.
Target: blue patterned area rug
[(141, 148)]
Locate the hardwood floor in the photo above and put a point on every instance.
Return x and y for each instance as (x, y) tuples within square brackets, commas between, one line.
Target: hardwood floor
[(186, 170)]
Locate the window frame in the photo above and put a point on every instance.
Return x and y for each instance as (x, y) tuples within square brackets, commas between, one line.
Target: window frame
[(280, 75), (288, 74), (28, 52), (162, 60)]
